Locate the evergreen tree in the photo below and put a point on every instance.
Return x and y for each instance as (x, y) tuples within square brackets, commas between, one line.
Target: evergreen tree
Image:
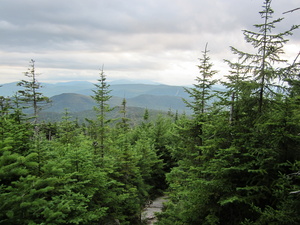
[(67, 129), (124, 120), (201, 96), (146, 115), (238, 89), (31, 95), (4, 105), (16, 162), (269, 48), (201, 93), (102, 96)]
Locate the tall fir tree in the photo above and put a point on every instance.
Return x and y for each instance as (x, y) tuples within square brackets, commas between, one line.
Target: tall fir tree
[(102, 97), (201, 94), (31, 95), (269, 48), (33, 98), (123, 124)]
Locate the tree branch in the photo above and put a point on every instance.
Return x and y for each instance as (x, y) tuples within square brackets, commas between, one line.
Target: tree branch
[(290, 11)]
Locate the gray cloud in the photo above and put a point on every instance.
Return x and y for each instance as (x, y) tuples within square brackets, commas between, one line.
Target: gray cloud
[(132, 38)]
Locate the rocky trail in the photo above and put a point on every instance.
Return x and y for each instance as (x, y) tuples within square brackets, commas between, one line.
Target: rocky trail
[(156, 206)]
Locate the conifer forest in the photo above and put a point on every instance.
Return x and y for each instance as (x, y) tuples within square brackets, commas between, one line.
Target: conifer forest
[(235, 160)]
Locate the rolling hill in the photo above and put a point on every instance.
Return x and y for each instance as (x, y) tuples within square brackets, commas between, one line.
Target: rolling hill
[(71, 101), (76, 97), (77, 103)]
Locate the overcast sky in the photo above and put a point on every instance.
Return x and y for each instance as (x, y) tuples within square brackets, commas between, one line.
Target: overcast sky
[(158, 40)]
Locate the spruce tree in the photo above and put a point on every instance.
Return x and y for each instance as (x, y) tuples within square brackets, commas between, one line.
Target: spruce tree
[(268, 48), (32, 98), (146, 115), (124, 120), (31, 95), (238, 89), (102, 97), (201, 94)]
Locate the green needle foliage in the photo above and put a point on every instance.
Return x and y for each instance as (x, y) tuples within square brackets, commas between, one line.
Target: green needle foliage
[(268, 47), (201, 93), (234, 163), (102, 96), (31, 95)]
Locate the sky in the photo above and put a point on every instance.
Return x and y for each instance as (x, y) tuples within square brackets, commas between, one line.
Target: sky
[(157, 40)]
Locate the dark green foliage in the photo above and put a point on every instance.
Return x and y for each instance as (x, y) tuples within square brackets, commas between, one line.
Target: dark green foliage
[(235, 159), (146, 115), (56, 176), (201, 93), (124, 123), (31, 95), (100, 126), (269, 48)]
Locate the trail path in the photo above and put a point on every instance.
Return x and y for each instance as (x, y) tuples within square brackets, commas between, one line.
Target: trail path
[(156, 206)]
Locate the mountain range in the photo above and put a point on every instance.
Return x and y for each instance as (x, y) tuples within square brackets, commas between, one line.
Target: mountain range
[(76, 95)]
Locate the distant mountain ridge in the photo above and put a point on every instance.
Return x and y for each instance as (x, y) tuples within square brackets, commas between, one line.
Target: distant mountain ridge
[(77, 103), (76, 96), (127, 90)]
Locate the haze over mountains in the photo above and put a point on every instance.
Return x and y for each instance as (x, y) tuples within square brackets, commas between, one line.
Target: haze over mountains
[(76, 95)]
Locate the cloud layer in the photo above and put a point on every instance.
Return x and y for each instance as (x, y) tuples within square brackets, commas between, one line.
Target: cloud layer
[(149, 39)]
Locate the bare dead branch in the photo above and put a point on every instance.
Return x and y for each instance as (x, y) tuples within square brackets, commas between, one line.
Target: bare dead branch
[(290, 11), (296, 173)]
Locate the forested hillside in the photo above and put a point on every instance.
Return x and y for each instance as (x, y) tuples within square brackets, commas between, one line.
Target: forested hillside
[(76, 96), (235, 160)]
